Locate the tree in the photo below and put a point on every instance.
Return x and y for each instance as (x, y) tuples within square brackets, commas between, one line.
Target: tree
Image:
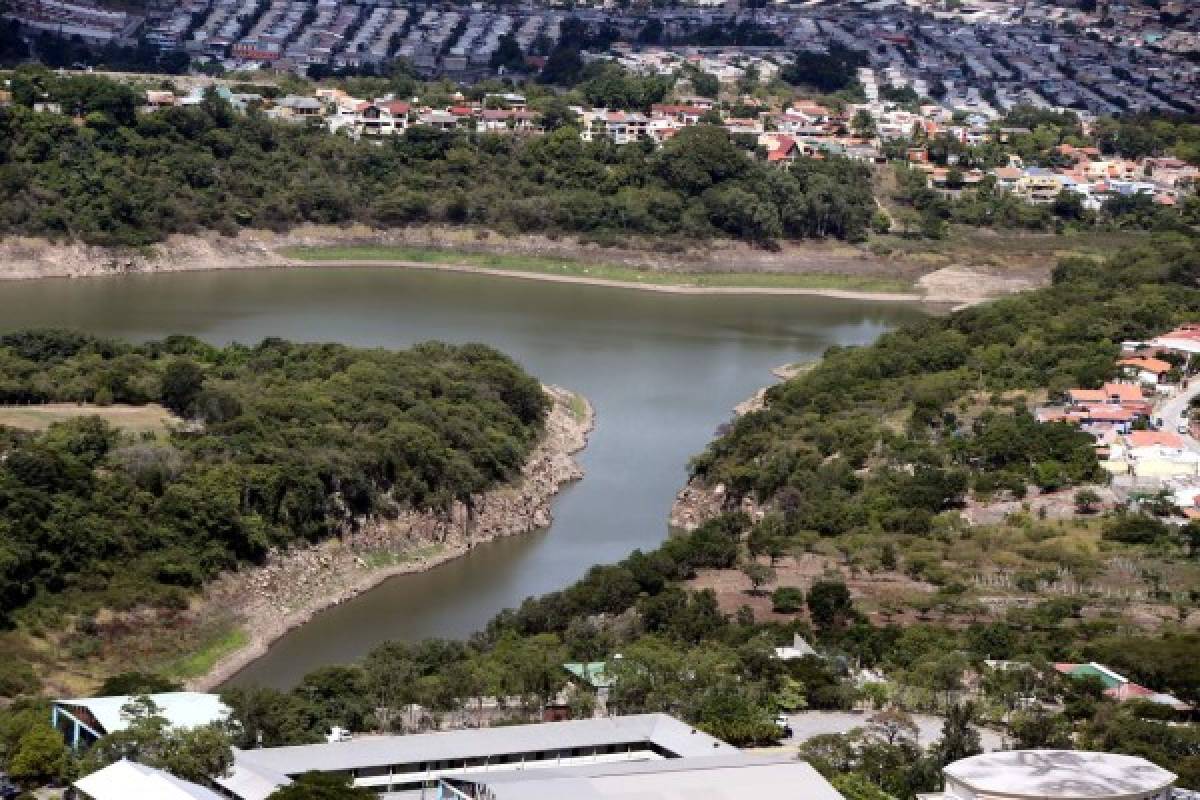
[(182, 382), (40, 756), (787, 600), (704, 83), (853, 786), (563, 67), (195, 754), (651, 32), (321, 786), (1086, 501), (1191, 536), (758, 574), (892, 726), (135, 683), (959, 739), (829, 605), (508, 55), (863, 124), (1040, 730)]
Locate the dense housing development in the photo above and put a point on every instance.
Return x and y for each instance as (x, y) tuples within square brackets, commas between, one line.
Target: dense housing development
[(1142, 423), (983, 58)]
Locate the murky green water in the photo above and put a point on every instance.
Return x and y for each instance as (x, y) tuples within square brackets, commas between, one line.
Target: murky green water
[(663, 371)]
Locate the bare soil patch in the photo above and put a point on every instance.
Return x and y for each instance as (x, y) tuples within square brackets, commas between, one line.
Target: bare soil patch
[(132, 419)]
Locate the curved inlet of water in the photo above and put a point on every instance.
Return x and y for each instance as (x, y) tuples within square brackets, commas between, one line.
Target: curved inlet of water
[(663, 371)]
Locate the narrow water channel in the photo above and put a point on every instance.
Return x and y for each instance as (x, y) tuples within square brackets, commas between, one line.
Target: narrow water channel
[(663, 371)]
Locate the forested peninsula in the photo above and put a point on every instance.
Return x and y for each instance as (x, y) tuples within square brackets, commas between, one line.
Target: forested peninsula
[(250, 449)]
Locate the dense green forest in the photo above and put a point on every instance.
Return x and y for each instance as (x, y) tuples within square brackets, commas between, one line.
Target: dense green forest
[(277, 444), (126, 178)]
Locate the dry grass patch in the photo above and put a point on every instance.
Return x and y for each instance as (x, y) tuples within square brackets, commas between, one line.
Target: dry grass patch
[(131, 419)]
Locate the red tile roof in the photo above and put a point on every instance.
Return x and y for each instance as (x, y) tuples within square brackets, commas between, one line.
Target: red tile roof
[(1155, 365), (1154, 438), (1124, 392)]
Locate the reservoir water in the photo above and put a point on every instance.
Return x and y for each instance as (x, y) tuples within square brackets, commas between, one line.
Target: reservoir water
[(663, 371)]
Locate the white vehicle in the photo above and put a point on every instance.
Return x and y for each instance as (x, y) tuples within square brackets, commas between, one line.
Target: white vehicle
[(337, 734), (1184, 428)]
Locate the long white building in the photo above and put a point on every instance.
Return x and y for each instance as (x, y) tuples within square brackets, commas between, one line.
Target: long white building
[(642, 757)]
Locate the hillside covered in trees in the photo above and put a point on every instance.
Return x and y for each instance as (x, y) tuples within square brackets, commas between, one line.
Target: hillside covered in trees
[(123, 177), (907, 408), (277, 444)]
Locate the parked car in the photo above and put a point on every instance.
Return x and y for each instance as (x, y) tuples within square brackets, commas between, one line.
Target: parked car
[(784, 726), (8, 790)]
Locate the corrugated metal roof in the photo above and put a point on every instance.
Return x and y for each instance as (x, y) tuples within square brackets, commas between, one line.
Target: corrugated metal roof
[(666, 732), (727, 777)]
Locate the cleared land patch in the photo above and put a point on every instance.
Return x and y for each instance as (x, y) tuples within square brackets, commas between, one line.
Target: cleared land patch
[(131, 419)]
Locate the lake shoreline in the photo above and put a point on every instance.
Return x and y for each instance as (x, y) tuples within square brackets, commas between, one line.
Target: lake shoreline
[(293, 588), (283, 264), (814, 269), (680, 288)]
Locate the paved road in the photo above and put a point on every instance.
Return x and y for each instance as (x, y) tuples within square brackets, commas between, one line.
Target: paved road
[(808, 724), (1173, 412)]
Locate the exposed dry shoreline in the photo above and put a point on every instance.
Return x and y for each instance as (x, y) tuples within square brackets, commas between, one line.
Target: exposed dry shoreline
[(32, 259), (696, 503), (293, 587)]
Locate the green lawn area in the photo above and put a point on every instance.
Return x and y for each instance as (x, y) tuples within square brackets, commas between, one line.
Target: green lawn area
[(224, 640), (542, 265), (380, 559), (132, 419)]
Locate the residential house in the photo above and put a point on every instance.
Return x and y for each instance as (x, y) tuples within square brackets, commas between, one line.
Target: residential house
[(440, 120), (294, 108), (156, 99), (381, 118), (799, 648), (782, 150), (682, 114), (1146, 370), (1184, 340), (510, 121), (1152, 454), (1039, 186)]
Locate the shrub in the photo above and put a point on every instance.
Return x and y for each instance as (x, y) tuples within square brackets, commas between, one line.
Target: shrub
[(787, 600)]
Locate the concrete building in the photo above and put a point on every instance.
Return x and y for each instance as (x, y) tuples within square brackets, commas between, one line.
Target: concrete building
[(633, 756), (709, 777), (1054, 775)]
